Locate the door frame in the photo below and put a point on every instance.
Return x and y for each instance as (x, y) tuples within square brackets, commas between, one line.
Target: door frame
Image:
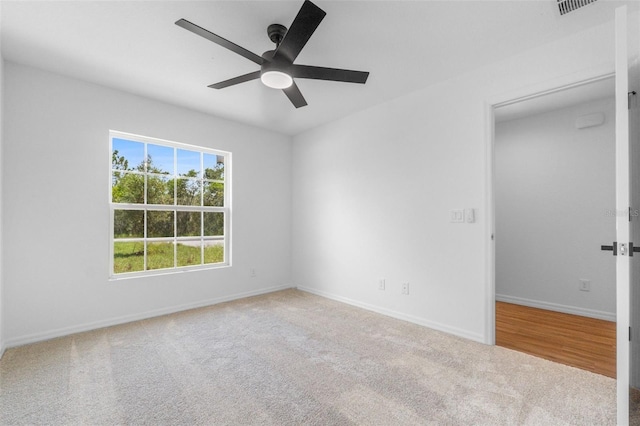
[(519, 95)]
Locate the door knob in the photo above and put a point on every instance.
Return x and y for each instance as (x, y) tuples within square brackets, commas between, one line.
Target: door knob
[(623, 249), (613, 248)]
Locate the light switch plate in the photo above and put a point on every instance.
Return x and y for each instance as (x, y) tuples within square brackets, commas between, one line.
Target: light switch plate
[(470, 215), (457, 216)]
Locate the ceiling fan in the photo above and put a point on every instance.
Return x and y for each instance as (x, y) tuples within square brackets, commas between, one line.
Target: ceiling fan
[(277, 69)]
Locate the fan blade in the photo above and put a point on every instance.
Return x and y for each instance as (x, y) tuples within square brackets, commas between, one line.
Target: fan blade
[(220, 41), (236, 80), (303, 26), (333, 74), (295, 96)]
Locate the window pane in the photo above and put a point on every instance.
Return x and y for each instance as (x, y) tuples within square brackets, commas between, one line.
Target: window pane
[(168, 205), (128, 257), (160, 159), (189, 253), (160, 190), (160, 255), (213, 251), (213, 167), (128, 224), (188, 191), (159, 224), (213, 194), (188, 224), (127, 188), (127, 155), (213, 224), (188, 163)]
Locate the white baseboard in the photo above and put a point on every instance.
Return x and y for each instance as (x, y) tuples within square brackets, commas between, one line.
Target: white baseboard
[(566, 309), (51, 334), (398, 315)]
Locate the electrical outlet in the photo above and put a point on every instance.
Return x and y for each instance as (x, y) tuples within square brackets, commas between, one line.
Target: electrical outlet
[(252, 272), (585, 285), (405, 288), (381, 284)]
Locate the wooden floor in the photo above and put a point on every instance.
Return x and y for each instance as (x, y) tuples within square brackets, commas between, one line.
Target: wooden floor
[(574, 340)]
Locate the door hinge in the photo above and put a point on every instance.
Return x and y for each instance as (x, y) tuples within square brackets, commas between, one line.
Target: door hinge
[(630, 97), (629, 333), (629, 214)]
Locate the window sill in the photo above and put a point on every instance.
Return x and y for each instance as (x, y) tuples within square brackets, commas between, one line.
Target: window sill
[(161, 272)]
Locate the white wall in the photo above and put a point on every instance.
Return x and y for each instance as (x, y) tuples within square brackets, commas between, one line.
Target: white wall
[(56, 215), (372, 192), (555, 185)]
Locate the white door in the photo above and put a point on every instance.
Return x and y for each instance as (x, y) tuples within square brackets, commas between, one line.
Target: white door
[(634, 317), (626, 62)]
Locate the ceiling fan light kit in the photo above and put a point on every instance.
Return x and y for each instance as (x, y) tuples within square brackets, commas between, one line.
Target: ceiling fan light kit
[(277, 69), (276, 79)]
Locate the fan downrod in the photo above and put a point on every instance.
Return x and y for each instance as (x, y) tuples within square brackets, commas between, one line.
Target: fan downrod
[(276, 33)]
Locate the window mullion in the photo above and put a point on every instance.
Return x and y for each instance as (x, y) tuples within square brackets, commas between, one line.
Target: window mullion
[(145, 241), (175, 174), (201, 179)]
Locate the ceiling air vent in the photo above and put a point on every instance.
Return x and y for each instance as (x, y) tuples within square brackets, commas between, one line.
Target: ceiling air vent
[(567, 6)]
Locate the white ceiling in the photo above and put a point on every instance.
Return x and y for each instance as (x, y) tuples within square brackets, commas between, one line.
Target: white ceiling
[(406, 45)]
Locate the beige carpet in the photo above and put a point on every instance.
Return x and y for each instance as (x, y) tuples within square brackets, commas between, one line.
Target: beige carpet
[(290, 358)]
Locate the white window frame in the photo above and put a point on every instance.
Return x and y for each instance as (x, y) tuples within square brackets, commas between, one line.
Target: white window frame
[(226, 209)]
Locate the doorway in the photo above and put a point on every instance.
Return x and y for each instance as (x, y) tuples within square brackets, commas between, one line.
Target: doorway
[(554, 195)]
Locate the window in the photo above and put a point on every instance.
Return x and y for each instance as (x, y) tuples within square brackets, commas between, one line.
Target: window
[(169, 206)]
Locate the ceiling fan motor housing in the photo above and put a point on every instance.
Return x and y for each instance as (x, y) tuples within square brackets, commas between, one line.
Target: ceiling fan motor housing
[(273, 64), (275, 73)]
